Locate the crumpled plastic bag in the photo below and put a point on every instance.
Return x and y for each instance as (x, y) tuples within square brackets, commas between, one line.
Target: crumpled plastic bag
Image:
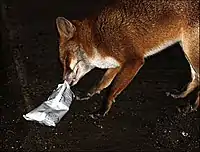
[(57, 105)]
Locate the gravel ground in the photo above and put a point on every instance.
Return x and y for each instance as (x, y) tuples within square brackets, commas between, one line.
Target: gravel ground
[(142, 119)]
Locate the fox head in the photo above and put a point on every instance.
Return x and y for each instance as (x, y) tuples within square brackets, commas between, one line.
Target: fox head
[(72, 54)]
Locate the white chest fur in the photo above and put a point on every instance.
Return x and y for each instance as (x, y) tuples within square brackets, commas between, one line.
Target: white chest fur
[(103, 62)]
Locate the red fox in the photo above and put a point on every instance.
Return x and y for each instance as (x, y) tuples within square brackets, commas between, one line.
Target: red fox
[(122, 35)]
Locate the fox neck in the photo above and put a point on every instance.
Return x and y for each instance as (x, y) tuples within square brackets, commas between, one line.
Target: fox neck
[(94, 55)]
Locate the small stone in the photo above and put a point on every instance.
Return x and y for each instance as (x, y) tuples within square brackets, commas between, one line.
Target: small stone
[(100, 126), (185, 134)]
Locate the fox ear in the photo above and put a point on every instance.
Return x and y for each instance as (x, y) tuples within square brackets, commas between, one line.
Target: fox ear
[(65, 27)]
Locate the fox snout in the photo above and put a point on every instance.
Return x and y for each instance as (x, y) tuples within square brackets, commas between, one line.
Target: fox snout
[(76, 72), (69, 76)]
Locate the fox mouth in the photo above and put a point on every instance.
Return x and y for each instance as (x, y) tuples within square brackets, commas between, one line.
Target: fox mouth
[(72, 77)]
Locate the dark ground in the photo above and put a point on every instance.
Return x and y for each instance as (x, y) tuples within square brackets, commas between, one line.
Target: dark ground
[(142, 119)]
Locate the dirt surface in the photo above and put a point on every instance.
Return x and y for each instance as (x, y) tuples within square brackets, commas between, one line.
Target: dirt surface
[(142, 119)]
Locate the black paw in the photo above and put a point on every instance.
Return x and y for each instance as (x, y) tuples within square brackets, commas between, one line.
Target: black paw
[(99, 114), (173, 95), (83, 98), (96, 116), (187, 108)]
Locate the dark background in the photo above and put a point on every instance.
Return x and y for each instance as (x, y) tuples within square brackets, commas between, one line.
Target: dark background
[(142, 119)]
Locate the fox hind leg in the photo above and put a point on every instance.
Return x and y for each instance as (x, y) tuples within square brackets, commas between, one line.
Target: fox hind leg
[(190, 44), (190, 87)]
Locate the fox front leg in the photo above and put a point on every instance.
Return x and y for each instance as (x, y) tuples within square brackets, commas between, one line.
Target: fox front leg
[(120, 82), (104, 83)]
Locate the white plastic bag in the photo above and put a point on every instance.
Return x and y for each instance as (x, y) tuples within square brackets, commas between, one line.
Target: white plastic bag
[(51, 111)]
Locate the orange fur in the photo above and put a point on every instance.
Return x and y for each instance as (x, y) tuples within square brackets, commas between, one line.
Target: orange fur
[(127, 32)]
